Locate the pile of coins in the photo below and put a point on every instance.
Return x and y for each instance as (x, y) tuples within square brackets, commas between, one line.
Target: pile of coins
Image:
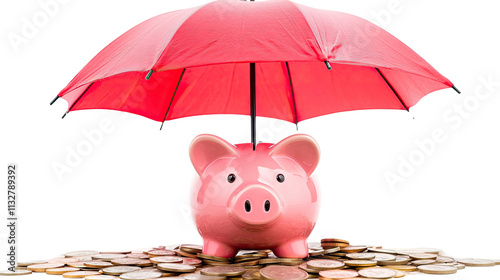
[(331, 259)]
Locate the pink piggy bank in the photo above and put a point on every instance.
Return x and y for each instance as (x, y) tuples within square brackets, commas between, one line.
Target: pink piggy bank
[(262, 199)]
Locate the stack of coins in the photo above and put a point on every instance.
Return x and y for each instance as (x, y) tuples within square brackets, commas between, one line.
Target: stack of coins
[(332, 258)]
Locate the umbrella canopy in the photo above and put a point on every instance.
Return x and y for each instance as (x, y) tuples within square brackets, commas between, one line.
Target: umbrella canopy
[(290, 61)]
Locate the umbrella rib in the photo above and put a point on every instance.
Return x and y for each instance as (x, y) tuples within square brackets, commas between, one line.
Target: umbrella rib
[(393, 90), (78, 99), (293, 96), (173, 96)]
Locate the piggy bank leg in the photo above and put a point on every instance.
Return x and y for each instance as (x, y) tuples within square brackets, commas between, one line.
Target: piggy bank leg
[(292, 249), (215, 248)]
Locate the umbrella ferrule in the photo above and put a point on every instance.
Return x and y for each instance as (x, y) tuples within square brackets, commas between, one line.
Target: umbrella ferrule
[(54, 100), (328, 65), (148, 76)]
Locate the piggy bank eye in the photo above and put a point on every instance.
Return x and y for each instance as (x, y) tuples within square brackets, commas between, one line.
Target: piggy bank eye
[(280, 178), (231, 178)]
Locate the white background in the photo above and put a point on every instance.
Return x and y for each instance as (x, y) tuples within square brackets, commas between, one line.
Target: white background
[(132, 188)]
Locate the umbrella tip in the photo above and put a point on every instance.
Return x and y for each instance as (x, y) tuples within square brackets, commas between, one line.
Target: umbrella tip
[(54, 100), (64, 115), (456, 89), (328, 65), (149, 74)]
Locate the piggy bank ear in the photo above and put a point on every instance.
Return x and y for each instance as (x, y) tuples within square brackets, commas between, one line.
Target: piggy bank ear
[(301, 148), (207, 148)]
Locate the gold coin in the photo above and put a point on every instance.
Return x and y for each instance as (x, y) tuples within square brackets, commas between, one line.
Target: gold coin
[(398, 260), (15, 272), (419, 251), (20, 268), (196, 276), (80, 253), (252, 274), (477, 262), (363, 267), (247, 253), (98, 264), (213, 258), (446, 264), (43, 266), (238, 260), (407, 268), (361, 256), (338, 274), (246, 263), (60, 270), (377, 273), (131, 261), (184, 254), (166, 259), (363, 263), (324, 264), (324, 252), (160, 253), (399, 274), (116, 252), (423, 256), (279, 260), (28, 263), (191, 261), (309, 270), (77, 264), (80, 274), (334, 240), (339, 254), (137, 256), (118, 270), (328, 245), (443, 259), (437, 269), (176, 267), (353, 249), (383, 251), (108, 257), (422, 262), (330, 257), (100, 277), (140, 275), (211, 262), (154, 269), (384, 257), (223, 271), (190, 248), (278, 272)]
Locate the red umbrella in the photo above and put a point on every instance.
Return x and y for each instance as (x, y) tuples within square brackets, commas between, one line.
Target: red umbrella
[(274, 59)]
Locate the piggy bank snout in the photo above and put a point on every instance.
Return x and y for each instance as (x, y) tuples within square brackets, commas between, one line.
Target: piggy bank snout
[(256, 205)]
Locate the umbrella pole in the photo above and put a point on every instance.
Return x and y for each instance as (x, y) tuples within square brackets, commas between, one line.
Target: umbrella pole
[(252, 104)]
